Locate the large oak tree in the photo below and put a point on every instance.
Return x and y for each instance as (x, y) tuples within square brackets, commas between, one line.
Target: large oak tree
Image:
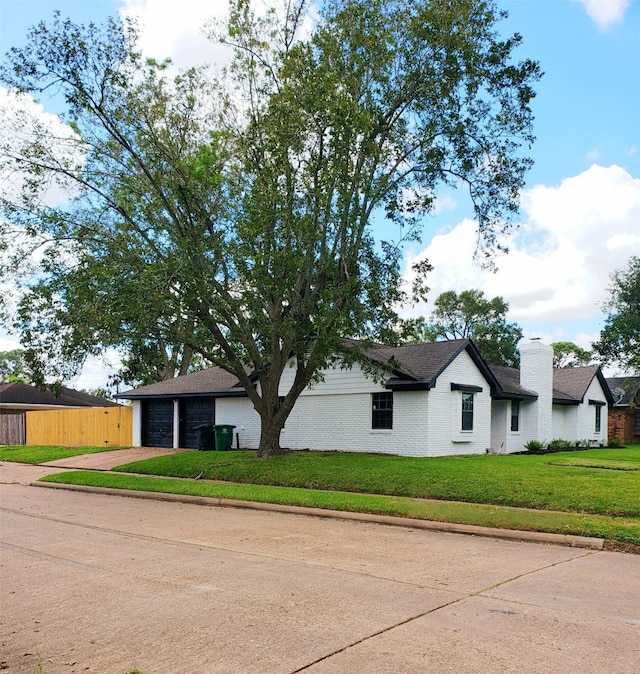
[(235, 211)]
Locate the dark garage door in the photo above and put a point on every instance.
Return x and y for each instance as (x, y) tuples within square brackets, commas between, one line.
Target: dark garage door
[(157, 423), (193, 412)]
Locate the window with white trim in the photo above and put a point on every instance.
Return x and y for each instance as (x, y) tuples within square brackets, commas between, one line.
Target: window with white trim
[(382, 410), (467, 411), (598, 405), (515, 416), (465, 405)]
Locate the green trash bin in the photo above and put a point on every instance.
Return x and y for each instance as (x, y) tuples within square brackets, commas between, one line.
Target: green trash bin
[(224, 436)]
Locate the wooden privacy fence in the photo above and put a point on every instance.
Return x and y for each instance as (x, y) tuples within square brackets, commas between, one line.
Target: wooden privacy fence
[(94, 426), (12, 429)]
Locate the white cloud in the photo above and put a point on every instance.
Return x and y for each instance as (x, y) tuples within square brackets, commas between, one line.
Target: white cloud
[(8, 344), (96, 371), (177, 30), (624, 242), (444, 203), (605, 12), (573, 236), (593, 155), (174, 29), (23, 121)]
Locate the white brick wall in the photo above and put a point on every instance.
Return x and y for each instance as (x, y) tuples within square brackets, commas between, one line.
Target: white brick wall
[(336, 414), (240, 413), (565, 418), (343, 422), (444, 436), (503, 439), (587, 415)]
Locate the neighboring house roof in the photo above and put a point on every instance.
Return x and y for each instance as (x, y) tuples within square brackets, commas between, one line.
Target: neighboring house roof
[(624, 390), (570, 384), (509, 382), (213, 381), (16, 395)]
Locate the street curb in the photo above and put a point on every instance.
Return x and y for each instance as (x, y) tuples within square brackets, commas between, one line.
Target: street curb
[(431, 525)]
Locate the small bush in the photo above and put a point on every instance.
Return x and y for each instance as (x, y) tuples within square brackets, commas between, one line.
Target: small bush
[(614, 443), (534, 445), (558, 443)]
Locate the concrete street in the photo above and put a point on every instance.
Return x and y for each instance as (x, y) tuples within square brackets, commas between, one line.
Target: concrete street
[(108, 584)]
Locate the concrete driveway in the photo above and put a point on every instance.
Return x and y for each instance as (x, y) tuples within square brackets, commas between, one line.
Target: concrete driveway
[(106, 584)]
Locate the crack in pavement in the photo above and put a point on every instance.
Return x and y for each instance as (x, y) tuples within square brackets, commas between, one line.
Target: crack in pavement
[(478, 593)]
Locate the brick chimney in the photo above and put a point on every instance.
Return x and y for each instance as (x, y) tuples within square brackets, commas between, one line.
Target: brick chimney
[(536, 374)]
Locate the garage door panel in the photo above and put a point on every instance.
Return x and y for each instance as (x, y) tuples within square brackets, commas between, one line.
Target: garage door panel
[(193, 413), (157, 423)]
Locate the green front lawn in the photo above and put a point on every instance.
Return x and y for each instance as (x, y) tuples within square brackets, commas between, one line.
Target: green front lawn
[(37, 454), (587, 481)]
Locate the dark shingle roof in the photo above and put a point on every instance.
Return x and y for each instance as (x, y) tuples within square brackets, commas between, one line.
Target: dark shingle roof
[(414, 366), (17, 393), (624, 390), (213, 381), (417, 366), (570, 384), (417, 363), (509, 381)]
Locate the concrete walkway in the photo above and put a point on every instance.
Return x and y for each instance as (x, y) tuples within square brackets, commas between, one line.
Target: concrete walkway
[(24, 473), (108, 460), (106, 584)]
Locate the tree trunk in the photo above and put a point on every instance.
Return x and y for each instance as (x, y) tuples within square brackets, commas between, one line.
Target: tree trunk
[(269, 438)]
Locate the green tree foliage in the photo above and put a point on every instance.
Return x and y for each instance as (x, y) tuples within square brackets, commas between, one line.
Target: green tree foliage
[(568, 354), (13, 367), (233, 212), (470, 315), (619, 341)]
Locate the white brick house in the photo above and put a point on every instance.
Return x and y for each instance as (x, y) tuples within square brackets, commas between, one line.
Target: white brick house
[(432, 399)]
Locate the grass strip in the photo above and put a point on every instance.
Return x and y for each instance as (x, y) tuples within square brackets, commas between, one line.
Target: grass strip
[(622, 530), (38, 454)]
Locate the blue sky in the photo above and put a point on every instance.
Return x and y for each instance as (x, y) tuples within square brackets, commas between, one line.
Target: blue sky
[(580, 217)]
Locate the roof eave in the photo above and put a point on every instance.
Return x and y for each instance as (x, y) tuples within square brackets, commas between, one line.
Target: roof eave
[(505, 395), (176, 395), (409, 386)]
